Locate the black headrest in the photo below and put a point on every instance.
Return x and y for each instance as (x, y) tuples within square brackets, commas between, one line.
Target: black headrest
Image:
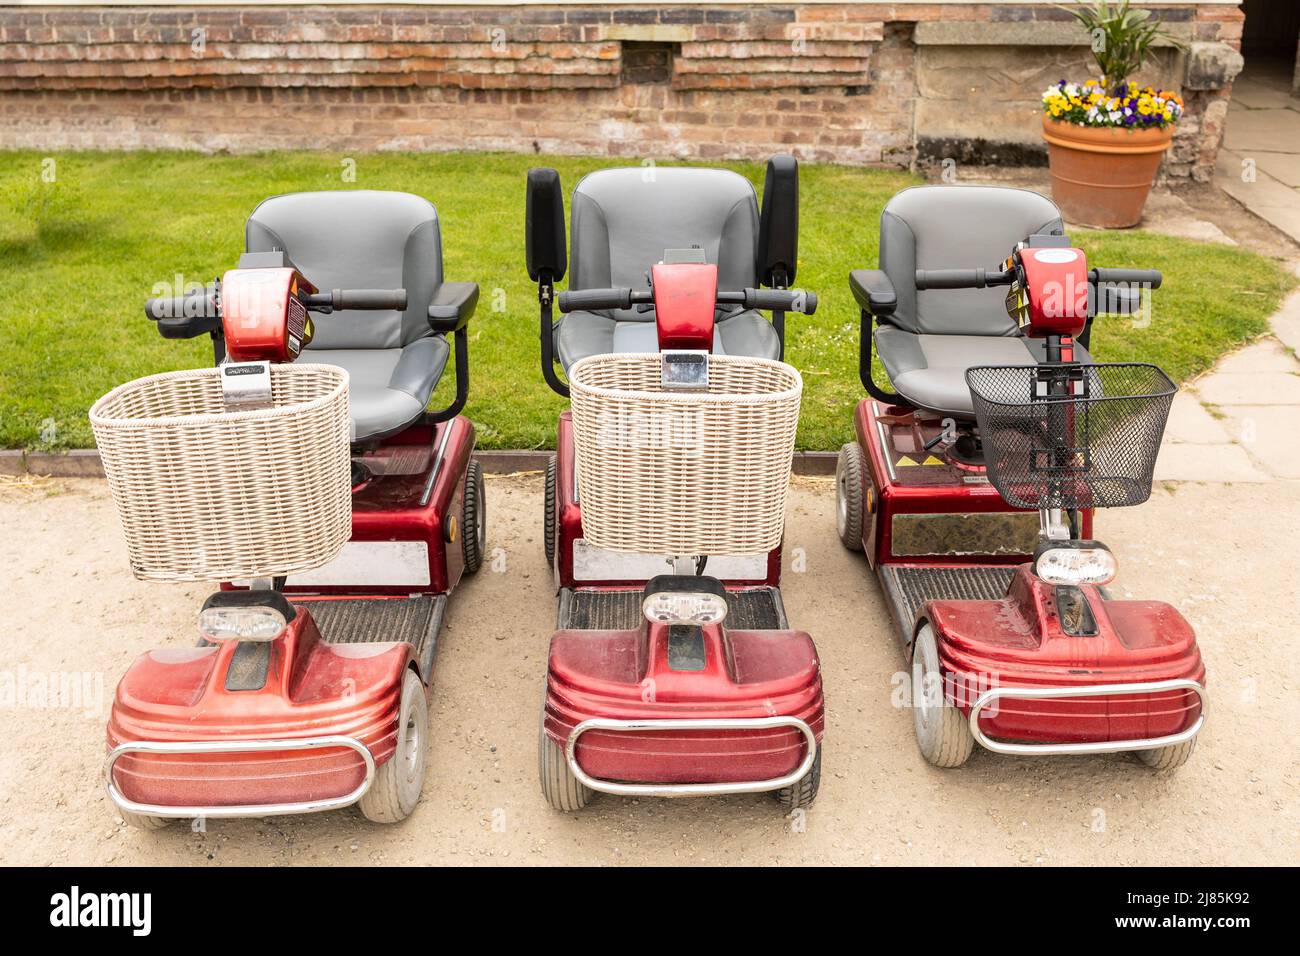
[(778, 226), (544, 225)]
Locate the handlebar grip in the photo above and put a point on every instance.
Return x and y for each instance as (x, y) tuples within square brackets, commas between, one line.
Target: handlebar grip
[(591, 300), (375, 300), (960, 278), (781, 300), (192, 305), (1151, 277)]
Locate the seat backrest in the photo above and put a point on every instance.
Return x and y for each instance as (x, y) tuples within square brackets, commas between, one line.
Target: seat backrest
[(624, 219), (357, 239), (957, 227)]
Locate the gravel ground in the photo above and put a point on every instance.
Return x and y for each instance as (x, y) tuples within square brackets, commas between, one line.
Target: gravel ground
[(1226, 556)]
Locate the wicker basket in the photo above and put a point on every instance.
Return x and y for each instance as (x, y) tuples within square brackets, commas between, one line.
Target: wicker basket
[(683, 473), (208, 494)]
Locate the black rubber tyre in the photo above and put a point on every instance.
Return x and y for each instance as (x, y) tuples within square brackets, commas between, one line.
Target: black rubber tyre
[(548, 523), (560, 787), (1167, 758), (801, 794), (474, 520), (398, 782), (848, 496), (942, 732)]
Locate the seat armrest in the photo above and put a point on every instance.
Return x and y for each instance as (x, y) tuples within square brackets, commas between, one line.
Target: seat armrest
[(452, 306), (874, 291)]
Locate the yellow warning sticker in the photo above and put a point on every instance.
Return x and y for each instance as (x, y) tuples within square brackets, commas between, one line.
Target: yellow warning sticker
[(931, 460), (905, 462)]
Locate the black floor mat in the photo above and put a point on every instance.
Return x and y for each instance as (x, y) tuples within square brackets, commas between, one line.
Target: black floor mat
[(908, 587), (368, 621), (757, 609)]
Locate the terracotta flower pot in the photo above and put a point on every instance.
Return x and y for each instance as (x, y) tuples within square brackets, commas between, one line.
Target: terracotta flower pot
[(1101, 175)]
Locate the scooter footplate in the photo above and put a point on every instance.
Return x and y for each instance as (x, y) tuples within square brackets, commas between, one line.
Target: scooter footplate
[(908, 587), (415, 620), (582, 609)]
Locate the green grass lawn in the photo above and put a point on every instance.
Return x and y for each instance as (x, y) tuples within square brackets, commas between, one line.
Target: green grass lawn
[(79, 255)]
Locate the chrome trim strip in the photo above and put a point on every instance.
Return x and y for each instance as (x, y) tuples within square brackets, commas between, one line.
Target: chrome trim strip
[(238, 747), (1097, 690), (437, 463), (884, 441), (690, 789)]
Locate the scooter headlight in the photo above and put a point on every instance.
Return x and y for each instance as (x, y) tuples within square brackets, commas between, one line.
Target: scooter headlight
[(1076, 566), (684, 607), (241, 623)]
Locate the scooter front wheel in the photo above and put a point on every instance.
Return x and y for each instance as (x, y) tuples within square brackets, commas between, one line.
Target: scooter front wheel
[(397, 784), (942, 733), (1168, 758), (562, 789), (801, 794)]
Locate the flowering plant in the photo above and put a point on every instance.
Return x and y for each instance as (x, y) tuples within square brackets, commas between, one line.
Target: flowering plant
[(1127, 105)]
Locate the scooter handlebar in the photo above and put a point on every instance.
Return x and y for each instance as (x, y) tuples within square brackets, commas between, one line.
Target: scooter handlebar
[(961, 278), (191, 305), (594, 300), (778, 300), (983, 278), (372, 300)]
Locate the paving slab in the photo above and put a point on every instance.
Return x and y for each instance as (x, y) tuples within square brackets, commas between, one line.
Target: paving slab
[(1267, 355), (1190, 422), (1213, 463), (1271, 435), (1277, 131), (1286, 323), (1284, 167), (1266, 197), (1251, 94), (1260, 388)]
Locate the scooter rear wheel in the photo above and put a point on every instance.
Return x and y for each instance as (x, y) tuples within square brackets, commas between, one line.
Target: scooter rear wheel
[(562, 789), (397, 784), (801, 794), (1168, 758), (548, 523), (942, 733), (474, 519), (848, 496)]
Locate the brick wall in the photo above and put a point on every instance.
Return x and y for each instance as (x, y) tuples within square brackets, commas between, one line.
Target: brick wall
[(829, 82)]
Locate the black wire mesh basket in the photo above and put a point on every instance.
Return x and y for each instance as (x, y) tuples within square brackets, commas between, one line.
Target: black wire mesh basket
[(1071, 436)]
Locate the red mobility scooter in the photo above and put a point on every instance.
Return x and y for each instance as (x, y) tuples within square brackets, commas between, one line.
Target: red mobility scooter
[(1000, 412), (307, 690), (665, 680)]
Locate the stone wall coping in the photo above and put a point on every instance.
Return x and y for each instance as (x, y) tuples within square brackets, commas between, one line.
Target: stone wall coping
[(1029, 33), (1152, 4)]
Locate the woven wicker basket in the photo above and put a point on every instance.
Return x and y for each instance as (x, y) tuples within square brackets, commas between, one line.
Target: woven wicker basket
[(683, 473), (208, 494)]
